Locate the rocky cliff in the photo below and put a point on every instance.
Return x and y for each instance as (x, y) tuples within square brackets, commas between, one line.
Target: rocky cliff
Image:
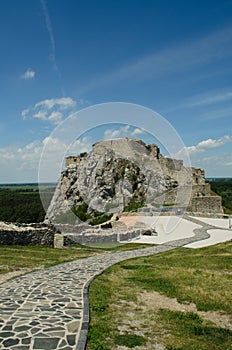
[(122, 172)]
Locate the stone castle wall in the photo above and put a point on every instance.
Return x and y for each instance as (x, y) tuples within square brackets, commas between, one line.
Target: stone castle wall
[(207, 204), (198, 176), (201, 190), (72, 160), (171, 164)]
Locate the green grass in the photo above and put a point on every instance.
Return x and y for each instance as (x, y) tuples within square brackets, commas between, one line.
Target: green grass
[(100, 219), (199, 334), (112, 246), (13, 258), (200, 276), (129, 340), (133, 207)]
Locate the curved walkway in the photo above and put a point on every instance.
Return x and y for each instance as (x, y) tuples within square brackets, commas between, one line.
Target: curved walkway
[(48, 309)]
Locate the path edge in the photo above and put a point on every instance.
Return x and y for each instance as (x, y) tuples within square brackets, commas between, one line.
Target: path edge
[(83, 333)]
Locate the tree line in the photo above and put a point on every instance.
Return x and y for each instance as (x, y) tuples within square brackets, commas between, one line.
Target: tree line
[(22, 206), (223, 187)]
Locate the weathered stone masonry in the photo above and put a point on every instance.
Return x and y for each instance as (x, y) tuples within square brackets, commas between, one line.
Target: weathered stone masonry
[(27, 234)]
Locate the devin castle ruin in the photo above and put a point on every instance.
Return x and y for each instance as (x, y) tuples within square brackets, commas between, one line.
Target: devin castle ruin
[(121, 172)]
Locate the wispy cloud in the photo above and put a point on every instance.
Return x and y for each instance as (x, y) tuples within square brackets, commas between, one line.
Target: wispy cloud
[(123, 131), (51, 110), (51, 35), (204, 100), (28, 74), (216, 165), (228, 164), (183, 57), (211, 100)]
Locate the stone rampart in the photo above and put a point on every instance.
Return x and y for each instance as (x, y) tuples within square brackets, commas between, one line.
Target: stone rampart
[(201, 190), (206, 204)]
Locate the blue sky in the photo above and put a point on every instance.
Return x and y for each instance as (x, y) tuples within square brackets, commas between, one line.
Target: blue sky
[(58, 57)]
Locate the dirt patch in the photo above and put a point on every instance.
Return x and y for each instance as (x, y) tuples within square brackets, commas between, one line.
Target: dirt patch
[(134, 321), (136, 318), (155, 301), (130, 220)]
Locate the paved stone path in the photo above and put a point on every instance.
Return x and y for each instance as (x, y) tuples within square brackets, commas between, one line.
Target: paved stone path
[(48, 309)]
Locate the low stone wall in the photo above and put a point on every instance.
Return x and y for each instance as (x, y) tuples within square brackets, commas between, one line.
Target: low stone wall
[(23, 234), (105, 236), (66, 228), (130, 235), (207, 215)]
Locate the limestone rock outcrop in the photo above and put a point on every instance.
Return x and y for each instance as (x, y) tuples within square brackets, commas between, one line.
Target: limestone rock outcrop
[(121, 172)]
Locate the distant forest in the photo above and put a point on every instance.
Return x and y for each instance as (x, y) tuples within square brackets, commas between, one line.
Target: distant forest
[(223, 187), (22, 204)]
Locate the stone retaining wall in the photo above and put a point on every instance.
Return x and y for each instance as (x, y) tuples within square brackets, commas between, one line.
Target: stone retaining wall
[(23, 234)]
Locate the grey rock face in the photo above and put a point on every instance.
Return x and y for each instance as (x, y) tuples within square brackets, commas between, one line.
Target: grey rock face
[(114, 174)]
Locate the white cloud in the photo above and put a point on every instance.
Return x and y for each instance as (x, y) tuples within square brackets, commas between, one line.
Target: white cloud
[(55, 117), (80, 145), (21, 164), (52, 110), (63, 103), (198, 151), (29, 74), (137, 131), (209, 144), (123, 131)]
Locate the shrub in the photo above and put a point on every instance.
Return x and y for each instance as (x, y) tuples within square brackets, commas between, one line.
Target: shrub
[(100, 219), (133, 207)]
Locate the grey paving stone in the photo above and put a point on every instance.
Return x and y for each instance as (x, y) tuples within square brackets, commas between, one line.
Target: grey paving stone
[(6, 334), (8, 343), (26, 340), (46, 343), (71, 339)]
